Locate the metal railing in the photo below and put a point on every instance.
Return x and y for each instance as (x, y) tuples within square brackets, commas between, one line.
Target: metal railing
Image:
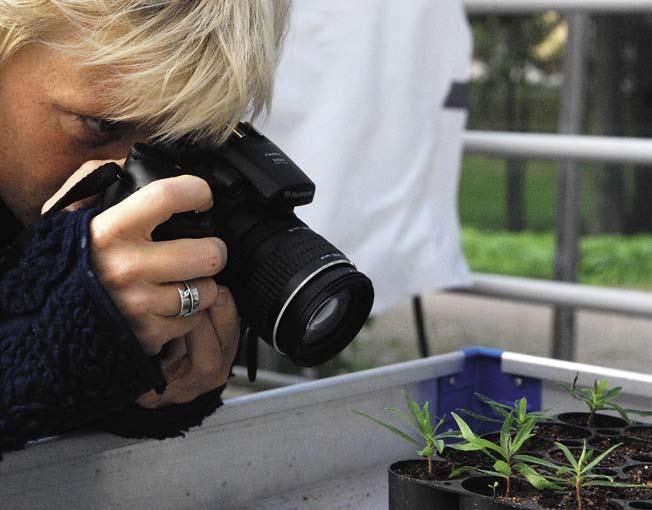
[(605, 149), (564, 148), (601, 299), (524, 6)]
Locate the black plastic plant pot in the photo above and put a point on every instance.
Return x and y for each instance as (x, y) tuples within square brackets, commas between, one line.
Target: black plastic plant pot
[(408, 493), (599, 421), (563, 432), (642, 432), (412, 487), (643, 505), (482, 495)]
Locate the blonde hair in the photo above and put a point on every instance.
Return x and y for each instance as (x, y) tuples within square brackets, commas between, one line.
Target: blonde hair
[(181, 66)]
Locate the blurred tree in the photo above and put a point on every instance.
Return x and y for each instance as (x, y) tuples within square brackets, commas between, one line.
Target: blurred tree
[(607, 181), (638, 82), (511, 48)]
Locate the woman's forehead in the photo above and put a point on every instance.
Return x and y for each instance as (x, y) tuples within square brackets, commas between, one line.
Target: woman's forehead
[(49, 76), (68, 84)]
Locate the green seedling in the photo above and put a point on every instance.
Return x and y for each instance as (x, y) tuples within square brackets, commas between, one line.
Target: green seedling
[(601, 398), (493, 487), (423, 423), (518, 410), (505, 453), (581, 472)]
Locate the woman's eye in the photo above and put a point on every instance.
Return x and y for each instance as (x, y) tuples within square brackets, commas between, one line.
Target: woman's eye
[(101, 128)]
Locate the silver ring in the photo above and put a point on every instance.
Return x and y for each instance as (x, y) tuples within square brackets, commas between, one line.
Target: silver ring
[(194, 298), (189, 297)]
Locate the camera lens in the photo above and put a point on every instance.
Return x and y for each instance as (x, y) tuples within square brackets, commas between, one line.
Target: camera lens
[(326, 317), (294, 288), (341, 298)]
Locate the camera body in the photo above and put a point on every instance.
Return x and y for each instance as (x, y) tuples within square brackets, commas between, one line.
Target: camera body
[(292, 287)]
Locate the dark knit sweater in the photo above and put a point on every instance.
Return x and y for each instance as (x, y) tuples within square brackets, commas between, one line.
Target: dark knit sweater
[(68, 359)]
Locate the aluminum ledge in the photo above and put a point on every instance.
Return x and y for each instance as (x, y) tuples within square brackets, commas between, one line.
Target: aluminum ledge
[(603, 299), (253, 447), (547, 146), (528, 6), (633, 383)]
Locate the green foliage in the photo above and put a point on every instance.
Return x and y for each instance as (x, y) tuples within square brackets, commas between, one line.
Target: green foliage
[(601, 398), (507, 45), (505, 453), (421, 422), (525, 254), (521, 415), (581, 472), (605, 260), (518, 410), (617, 260)]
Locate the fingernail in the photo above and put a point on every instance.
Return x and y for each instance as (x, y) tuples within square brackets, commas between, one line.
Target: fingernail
[(220, 300)]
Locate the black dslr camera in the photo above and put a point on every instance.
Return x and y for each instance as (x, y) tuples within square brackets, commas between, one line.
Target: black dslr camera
[(293, 288)]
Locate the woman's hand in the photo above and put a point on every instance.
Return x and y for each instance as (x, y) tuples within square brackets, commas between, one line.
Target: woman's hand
[(141, 276)]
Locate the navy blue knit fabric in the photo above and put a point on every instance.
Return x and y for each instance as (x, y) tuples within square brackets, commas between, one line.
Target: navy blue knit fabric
[(68, 359)]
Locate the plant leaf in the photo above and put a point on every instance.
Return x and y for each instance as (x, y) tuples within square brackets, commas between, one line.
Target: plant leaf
[(490, 472), (536, 460), (502, 467), (461, 471), (599, 458), (622, 412), (414, 409), (601, 386), (478, 417), (497, 407), (466, 431), (485, 444), (506, 431), (639, 412), (619, 485), (426, 452), (567, 453), (523, 435), (613, 393), (464, 447), (536, 480), (391, 429), (406, 419)]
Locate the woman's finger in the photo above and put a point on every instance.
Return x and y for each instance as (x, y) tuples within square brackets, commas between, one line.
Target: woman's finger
[(140, 213), (154, 331), (173, 352), (225, 321), (184, 259)]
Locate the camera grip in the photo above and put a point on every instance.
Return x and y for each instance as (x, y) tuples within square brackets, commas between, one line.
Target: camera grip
[(193, 225)]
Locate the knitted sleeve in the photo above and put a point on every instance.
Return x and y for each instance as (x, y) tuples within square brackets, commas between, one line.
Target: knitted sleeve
[(67, 356)]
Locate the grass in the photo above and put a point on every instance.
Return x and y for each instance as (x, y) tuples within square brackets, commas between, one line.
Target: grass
[(623, 261), (613, 261)]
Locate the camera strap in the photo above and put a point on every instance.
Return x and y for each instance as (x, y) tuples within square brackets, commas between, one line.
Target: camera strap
[(251, 342), (92, 184)]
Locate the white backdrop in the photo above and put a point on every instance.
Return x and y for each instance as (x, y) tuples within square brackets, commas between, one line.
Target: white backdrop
[(359, 106)]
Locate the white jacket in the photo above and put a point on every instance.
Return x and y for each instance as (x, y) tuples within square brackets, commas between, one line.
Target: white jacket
[(359, 106)]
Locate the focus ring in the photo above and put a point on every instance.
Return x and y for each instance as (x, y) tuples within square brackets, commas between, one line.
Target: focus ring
[(298, 249)]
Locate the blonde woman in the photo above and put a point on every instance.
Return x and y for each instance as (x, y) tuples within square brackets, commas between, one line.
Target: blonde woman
[(88, 301)]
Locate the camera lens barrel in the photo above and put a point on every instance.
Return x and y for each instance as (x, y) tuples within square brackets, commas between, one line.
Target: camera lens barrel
[(299, 293)]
